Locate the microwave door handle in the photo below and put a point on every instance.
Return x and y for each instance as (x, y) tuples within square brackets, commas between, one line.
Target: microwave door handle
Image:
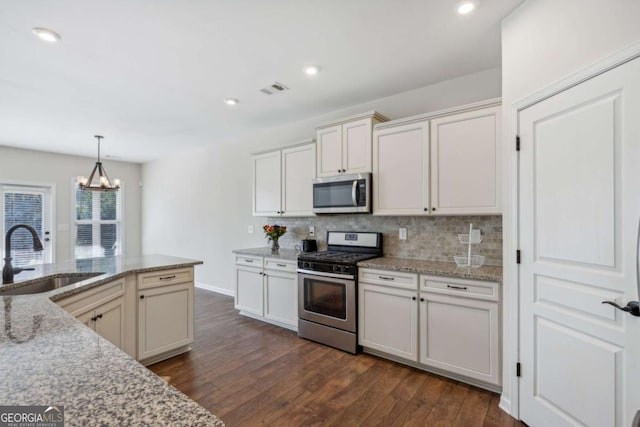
[(354, 193)]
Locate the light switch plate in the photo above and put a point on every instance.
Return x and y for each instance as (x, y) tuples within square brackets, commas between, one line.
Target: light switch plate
[(402, 233), (312, 231), (475, 236), (250, 229)]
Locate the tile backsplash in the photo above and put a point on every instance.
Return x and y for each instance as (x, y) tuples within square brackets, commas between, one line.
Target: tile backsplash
[(431, 238)]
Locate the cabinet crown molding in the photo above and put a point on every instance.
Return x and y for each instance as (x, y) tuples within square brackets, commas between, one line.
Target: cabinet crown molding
[(439, 113), (284, 147), (373, 114)]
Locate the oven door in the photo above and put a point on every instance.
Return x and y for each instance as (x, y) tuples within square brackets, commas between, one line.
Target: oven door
[(329, 301)]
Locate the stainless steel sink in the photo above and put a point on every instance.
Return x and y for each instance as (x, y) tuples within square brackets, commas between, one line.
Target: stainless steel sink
[(48, 284)]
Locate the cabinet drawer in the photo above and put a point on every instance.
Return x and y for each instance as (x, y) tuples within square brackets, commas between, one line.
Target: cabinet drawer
[(396, 279), (280, 265), (460, 287), (92, 298), (249, 260), (165, 277)]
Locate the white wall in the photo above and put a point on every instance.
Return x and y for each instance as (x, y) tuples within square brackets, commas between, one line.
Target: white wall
[(544, 41), (198, 204), (35, 167)]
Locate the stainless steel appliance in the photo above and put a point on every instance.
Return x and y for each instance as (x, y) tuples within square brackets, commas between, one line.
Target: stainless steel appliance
[(342, 194), (328, 288)]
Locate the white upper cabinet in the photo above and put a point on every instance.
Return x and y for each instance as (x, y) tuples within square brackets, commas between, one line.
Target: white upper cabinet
[(329, 150), (344, 146), (282, 181), (266, 184), (298, 170), (401, 170), (442, 163), (465, 164)]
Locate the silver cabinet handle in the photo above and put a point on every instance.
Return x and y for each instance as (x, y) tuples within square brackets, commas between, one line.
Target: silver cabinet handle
[(386, 278), (248, 260), (168, 277), (460, 288), (281, 265)]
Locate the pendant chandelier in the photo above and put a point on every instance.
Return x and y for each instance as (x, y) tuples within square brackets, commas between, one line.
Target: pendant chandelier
[(98, 180)]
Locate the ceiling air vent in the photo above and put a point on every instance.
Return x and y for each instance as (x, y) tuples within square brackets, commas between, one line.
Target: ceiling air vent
[(274, 88)]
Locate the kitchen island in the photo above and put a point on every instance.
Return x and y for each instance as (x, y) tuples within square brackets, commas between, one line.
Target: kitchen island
[(48, 357)]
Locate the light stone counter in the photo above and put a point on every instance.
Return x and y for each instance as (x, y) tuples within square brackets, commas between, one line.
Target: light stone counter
[(286, 254), (437, 268), (47, 357)]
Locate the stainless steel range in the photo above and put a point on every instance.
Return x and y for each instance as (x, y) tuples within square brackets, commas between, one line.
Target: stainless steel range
[(327, 288)]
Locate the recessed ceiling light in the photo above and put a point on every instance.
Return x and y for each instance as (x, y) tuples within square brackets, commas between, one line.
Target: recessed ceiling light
[(311, 70), (466, 7), (231, 101), (46, 34)]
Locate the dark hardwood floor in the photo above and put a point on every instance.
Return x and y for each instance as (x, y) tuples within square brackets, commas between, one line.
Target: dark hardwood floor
[(251, 373)]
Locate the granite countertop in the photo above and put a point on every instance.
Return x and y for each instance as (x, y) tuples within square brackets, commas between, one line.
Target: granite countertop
[(287, 254), (437, 268), (111, 267), (49, 358)]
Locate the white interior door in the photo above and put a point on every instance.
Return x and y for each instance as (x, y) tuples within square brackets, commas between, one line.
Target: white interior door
[(31, 206), (579, 218)]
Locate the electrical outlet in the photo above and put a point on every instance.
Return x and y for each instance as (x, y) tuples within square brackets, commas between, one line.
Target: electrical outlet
[(475, 236), (312, 231), (402, 233), (250, 229)]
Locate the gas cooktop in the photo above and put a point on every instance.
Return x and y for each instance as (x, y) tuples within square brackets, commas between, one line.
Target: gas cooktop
[(336, 257)]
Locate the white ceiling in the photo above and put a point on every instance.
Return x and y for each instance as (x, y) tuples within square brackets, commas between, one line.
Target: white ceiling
[(151, 75)]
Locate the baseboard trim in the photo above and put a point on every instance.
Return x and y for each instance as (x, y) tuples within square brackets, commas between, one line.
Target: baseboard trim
[(505, 404), (215, 289)]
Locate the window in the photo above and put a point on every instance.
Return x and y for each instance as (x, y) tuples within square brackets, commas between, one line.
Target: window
[(30, 205), (98, 223)]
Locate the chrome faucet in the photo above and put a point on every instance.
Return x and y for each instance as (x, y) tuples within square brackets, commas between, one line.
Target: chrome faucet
[(8, 271)]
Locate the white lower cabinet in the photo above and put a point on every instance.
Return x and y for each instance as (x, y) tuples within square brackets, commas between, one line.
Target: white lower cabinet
[(460, 335), (267, 289), (388, 319), (249, 290), (159, 325), (450, 326), (281, 297), (104, 310), (165, 319), (108, 320)]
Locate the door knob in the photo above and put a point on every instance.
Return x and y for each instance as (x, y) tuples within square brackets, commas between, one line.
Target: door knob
[(632, 307)]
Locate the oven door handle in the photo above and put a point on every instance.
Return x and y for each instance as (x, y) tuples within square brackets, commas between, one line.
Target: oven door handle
[(323, 274), (354, 193)]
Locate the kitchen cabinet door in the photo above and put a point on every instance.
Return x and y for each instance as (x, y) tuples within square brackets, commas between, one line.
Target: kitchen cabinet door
[(356, 146), (110, 321), (401, 170), (388, 320), (298, 170), (165, 319), (460, 335), (329, 143), (281, 297), (249, 290), (266, 184), (465, 163)]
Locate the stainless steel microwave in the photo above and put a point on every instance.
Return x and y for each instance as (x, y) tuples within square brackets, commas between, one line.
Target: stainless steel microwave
[(342, 194)]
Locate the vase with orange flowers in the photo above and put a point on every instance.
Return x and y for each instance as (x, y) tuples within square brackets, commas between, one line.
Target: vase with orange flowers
[(273, 233)]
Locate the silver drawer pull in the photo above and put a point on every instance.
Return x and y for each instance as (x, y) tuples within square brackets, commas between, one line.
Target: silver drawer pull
[(460, 288), (386, 278), (281, 265), (168, 277), (248, 260)]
